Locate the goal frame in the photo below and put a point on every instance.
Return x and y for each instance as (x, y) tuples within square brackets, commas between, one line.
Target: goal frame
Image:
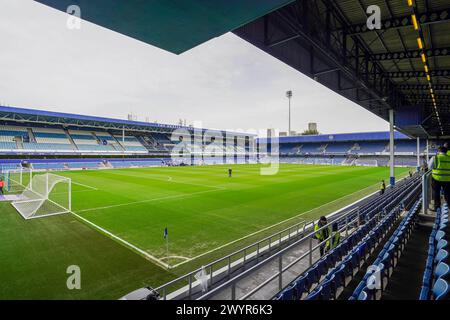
[(375, 163), (7, 172), (42, 198)]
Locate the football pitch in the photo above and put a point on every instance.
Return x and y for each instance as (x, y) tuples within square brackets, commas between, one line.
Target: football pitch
[(116, 231)]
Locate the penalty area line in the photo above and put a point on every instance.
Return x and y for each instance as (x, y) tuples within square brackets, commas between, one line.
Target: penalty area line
[(84, 185), (124, 242)]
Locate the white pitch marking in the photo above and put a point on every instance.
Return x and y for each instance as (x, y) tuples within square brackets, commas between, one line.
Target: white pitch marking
[(148, 200), (176, 257), (126, 243), (171, 180), (270, 227), (84, 185)]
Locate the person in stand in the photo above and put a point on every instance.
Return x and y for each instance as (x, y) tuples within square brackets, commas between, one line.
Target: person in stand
[(383, 187), (335, 238), (440, 166), (322, 234), (410, 174)]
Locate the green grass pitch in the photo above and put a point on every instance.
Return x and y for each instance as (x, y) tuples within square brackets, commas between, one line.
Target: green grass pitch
[(207, 215)]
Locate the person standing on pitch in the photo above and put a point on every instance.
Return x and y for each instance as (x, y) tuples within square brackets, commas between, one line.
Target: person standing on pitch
[(322, 234), (230, 173), (383, 187), (440, 166), (2, 185)]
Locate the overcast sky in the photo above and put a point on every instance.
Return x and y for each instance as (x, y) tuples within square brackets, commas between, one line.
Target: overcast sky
[(225, 83)]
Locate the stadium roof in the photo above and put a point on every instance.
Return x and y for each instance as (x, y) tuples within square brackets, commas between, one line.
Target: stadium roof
[(22, 115), (327, 40), (380, 69), (175, 25), (323, 138)]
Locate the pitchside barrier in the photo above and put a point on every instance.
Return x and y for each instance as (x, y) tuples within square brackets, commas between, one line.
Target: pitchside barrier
[(46, 195)]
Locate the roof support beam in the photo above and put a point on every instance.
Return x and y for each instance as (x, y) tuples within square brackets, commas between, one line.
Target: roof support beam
[(411, 54), (426, 18), (436, 87), (417, 74)]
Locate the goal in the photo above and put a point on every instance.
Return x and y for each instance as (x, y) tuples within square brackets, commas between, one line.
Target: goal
[(46, 194), (16, 179), (366, 162)]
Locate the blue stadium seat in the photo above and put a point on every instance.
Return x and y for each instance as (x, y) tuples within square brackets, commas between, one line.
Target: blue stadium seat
[(442, 255), (442, 244), (363, 296), (301, 286), (442, 270), (440, 289), (439, 235), (315, 295), (328, 291), (288, 293), (312, 277)]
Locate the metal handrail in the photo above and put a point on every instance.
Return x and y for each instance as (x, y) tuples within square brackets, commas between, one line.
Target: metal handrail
[(426, 179), (253, 251), (404, 193), (310, 236), (293, 231), (291, 264)]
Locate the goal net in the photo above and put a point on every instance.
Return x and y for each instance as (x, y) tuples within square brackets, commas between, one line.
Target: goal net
[(366, 162), (15, 179), (46, 194)]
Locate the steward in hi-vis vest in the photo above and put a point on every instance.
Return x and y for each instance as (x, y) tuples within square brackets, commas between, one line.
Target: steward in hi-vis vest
[(441, 176), (323, 234), (441, 167), (335, 238)]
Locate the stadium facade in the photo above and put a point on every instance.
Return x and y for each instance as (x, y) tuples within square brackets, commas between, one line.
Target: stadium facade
[(53, 140), (56, 140)]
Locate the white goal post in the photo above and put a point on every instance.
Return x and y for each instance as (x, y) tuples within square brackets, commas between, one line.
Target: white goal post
[(15, 179), (366, 162), (46, 195)]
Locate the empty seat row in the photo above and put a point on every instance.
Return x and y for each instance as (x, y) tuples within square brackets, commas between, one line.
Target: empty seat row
[(402, 193), (341, 276), (435, 283), (377, 276)]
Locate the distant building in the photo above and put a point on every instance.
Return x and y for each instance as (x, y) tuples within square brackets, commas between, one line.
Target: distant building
[(283, 134), (312, 126), (270, 133)]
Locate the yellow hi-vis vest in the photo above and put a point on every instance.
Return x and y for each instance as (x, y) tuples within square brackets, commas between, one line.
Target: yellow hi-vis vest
[(441, 168), (323, 234), (335, 239)]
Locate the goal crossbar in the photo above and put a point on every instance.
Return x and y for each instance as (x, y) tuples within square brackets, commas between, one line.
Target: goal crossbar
[(39, 199)]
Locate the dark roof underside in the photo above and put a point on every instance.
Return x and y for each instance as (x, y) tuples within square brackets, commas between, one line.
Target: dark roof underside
[(325, 39), (377, 69), (173, 25)]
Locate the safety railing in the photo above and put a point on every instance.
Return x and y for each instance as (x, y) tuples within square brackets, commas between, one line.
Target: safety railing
[(278, 270), (187, 286), (426, 191)]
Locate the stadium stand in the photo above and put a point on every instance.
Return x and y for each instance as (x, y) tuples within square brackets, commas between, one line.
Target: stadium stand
[(331, 274), (69, 134), (131, 143), (356, 148), (48, 140), (435, 284)]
